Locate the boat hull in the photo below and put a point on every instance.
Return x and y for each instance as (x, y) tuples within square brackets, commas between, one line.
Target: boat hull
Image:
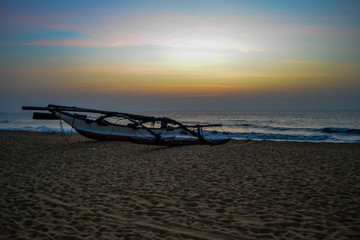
[(112, 132)]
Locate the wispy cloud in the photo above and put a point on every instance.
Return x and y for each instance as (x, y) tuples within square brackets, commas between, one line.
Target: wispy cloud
[(68, 42), (178, 31), (320, 64)]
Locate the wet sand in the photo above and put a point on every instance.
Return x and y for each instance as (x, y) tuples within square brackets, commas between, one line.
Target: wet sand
[(121, 190)]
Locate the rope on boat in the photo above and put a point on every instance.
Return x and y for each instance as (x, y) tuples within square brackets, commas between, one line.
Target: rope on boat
[(112, 129), (226, 133), (63, 135)]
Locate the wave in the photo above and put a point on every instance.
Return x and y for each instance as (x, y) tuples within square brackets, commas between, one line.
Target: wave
[(269, 128), (278, 137), (4, 121), (245, 125), (327, 130), (38, 129), (341, 130)]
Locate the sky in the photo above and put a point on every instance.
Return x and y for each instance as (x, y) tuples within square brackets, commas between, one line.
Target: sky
[(189, 55)]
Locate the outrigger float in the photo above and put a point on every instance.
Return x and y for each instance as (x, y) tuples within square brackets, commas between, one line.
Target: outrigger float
[(118, 126)]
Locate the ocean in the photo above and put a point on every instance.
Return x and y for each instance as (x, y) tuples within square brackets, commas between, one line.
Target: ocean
[(311, 126)]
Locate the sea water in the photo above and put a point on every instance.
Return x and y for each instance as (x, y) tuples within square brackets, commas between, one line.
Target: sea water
[(312, 126)]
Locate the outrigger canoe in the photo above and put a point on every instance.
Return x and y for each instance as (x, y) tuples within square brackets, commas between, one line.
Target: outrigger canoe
[(118, 126)]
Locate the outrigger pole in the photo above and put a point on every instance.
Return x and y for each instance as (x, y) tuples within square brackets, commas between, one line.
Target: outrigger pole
[(130, 117)]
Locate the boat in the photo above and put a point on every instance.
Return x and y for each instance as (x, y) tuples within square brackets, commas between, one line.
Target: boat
[(119, 126)]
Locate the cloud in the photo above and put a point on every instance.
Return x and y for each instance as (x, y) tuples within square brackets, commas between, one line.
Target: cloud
[(237, 33), (224, 33), (66, 42), (178, 31), (320, 64)]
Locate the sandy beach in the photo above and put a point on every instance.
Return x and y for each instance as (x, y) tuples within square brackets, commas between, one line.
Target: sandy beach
[(121, 190)]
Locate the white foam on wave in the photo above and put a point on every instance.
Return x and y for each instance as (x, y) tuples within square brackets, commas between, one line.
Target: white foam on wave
[(37, 129), (277, 137)]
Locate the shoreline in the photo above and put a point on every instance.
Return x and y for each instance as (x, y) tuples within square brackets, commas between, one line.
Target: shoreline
[(245, 189)]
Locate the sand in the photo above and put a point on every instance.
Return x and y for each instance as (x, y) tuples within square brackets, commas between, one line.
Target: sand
[(121, 190)]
